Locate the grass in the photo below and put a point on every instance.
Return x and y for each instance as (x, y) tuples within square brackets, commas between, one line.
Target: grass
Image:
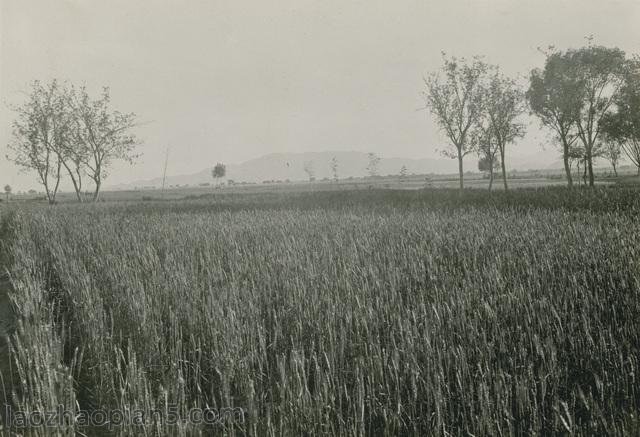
[(337, 313)]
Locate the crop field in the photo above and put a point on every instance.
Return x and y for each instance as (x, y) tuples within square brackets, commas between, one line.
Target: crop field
[(476, 181), (371, 312)]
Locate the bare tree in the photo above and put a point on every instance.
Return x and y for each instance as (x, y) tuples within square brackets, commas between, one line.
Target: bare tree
[(40, 134), (612, 152), (164, 172), (503, 104), (454, 97), (334, 168), (309, 169), (102, 135), (372, 165), (403, 172)]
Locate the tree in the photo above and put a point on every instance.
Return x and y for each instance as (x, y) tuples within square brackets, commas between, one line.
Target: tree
[(487, 150), (70, 151), (486, 165), (486, 147), (373, 162), (40, 133), (403, 172), (7, 191), (61, 128), (334, 168), (577, 155), (555, 98), (454, 98), (600, 72), (101, 135), (612, 152), (309, 169), (622, 127), (503, 105), (219, 171)]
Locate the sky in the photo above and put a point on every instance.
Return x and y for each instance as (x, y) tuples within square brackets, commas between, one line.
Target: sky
[(233, 80)]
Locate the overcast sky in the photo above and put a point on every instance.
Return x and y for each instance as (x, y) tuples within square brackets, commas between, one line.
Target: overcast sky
[(230, 81)]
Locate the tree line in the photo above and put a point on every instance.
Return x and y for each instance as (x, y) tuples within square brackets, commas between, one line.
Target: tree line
[(61, 130), (587, 98)]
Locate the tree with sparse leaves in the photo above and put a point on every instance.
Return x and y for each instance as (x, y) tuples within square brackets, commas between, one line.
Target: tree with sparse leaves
[(612, 152), (403, 172), (334, 168), (41, 131), (309, 169), (503, 105), (102, 135), (62, 129), (622, 127), (487, 149), (372, 166), (454, 97)]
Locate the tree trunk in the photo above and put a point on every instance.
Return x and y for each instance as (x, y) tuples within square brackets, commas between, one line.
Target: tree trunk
[(567, 166), (590, 168), (584, 174), (96, 192), (97, 178), (460, 169), (52, 197), (77, 185), (491, 176), (504, 168), (615, 169), (44, 178)]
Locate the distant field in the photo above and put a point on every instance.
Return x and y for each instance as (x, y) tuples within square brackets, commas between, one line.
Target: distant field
[(521, 179), (349, 312), (475, 181)]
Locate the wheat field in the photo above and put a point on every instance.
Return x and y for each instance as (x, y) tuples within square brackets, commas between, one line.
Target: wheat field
[(368, 313)]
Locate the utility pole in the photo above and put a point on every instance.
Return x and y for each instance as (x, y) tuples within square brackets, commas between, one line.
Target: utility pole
[(164, 173)]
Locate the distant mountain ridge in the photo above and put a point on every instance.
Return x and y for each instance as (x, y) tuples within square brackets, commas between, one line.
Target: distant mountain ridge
[(283, 166)]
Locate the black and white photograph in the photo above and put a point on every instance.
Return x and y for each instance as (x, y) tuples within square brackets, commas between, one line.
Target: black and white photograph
[(319, 218)]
